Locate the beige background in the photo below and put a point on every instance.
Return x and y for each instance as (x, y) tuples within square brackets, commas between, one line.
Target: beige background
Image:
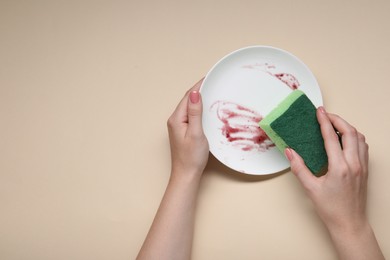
[(86, 88)]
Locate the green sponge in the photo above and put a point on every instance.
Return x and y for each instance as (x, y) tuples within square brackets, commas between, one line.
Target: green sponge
[(293, 123)]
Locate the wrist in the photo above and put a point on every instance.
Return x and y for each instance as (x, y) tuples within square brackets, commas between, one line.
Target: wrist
[(356, 242), (188, 176), (350, 229)]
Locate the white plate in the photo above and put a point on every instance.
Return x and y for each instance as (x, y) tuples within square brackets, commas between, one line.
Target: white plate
[(237, 92)]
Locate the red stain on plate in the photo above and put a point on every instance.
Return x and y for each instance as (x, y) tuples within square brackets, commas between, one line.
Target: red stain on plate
[(287, 78), (240, 126)]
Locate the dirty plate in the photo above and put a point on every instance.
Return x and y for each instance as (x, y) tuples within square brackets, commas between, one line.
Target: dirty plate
[(238, 92)]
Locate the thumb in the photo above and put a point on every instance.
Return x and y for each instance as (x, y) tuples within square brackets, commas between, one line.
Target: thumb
[(195, 112), (300, 170)]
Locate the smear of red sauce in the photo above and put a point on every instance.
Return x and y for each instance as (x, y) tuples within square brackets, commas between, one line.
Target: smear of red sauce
[(240, 126), (287, 78)]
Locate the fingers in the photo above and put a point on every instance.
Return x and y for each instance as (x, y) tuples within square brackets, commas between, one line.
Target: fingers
[(349, 138), (194, 110), (195, 113), (354, 147), (363, 153), (180, 112), (331, 139), (298, 167)]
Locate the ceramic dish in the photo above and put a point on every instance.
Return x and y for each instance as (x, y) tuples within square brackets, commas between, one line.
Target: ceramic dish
[(238, 92)]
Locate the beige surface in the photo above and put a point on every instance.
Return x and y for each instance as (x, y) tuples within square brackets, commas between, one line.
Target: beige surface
[(85, 91)]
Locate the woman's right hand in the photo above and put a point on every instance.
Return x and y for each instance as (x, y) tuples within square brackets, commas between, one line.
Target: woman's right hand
[(340, 195)]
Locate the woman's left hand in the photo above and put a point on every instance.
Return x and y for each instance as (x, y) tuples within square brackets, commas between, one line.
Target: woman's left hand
[(189, 146)]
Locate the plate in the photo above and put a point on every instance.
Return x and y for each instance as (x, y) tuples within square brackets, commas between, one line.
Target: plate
[(238, 92)]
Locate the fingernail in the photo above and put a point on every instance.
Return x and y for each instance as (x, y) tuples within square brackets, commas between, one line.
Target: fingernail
[(288, 154), (322, 109), (194, 97)]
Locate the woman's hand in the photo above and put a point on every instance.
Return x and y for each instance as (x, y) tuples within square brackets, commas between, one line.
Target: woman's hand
[(189, 146), (340, 195), (170, 236)]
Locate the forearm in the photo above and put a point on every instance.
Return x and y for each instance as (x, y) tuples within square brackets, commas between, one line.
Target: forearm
[(356, 243), (170, 236)]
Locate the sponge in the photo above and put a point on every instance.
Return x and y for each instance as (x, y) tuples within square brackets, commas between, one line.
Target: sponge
[(293, 123)]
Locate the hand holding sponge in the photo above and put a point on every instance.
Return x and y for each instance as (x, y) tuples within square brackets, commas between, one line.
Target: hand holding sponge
[(293, 123)]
